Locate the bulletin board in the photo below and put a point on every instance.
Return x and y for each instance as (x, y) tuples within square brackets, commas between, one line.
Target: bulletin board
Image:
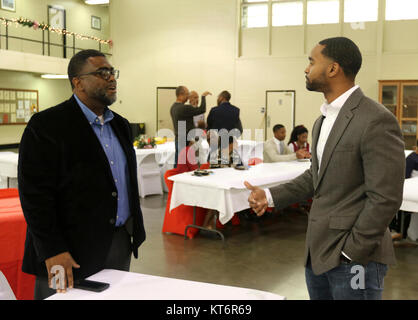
[(17, 105)]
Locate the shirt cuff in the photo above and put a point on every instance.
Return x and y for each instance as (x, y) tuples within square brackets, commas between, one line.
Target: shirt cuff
[(346, 256), (269, 198)]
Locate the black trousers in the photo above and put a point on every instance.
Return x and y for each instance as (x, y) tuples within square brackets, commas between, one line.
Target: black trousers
[(119, 258)]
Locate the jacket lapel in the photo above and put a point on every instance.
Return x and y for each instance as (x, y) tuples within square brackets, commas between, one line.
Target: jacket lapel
[(338, 129), (93, 147), (315, 136)]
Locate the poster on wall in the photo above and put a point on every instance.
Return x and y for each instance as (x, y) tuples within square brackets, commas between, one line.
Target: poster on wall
[(9, 5), (17, 105)]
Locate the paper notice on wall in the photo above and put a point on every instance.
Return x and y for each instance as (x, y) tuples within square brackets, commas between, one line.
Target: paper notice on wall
[(33, 96), (27, 95), (27, 113), (27, 104), (6, 108), (20, 104), (13, 118), (20, 113), (12, 95), (6, 95), (20, 95), (13, 107)]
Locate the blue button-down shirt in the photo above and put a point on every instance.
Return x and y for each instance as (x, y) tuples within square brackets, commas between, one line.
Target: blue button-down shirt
[(115, 155)]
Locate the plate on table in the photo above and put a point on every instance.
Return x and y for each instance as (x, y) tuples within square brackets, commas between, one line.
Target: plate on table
[(200, 173), (304, 160), (240, 167)]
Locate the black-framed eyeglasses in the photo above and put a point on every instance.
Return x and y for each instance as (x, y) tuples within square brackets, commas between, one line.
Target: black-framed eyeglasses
[(103, 73)]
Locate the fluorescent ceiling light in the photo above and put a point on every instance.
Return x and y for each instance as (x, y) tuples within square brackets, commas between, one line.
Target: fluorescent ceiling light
[(54, 76), (96, 1)]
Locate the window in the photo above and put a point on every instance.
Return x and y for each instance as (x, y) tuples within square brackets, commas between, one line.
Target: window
[(255, 16), (324, 11), (287, 14), (401, 9), (360, 10)]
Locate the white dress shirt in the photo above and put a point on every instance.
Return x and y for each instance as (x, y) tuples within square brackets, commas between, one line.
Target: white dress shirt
[(279, 145), (330, 111)]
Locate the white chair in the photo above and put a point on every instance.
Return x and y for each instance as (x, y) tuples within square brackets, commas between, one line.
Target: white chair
[(8, 168), (149, 176), (244, 151), (257, 151), (168, 164), (6, 292)]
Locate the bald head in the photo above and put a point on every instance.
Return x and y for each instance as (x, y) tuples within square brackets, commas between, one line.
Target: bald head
[(182, 94), (194, 98)]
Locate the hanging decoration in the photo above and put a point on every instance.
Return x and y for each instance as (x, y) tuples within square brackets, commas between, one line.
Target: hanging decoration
[(36, 25)]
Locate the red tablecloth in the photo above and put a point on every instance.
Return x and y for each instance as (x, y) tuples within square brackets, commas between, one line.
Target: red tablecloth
[(12, 244)]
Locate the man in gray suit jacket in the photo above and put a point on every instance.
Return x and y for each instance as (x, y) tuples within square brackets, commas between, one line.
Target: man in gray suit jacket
[(275, 150), (355, 180)]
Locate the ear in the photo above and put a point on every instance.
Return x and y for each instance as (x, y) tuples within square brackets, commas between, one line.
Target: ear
[(333, 69), (77, 84)]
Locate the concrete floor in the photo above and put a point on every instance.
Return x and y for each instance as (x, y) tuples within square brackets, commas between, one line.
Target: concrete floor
[(265, 255)]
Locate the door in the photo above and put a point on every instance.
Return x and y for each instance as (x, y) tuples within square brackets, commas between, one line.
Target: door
[(280, 109), (166, 96)]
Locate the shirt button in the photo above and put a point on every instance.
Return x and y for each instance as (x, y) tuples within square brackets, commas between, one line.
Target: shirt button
[(111, 162), (107, 146), (116, 180), (114, 194), (112, 221)]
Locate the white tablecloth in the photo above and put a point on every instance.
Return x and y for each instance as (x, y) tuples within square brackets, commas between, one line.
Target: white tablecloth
[(410, 204), (136, 286), (224, 190)]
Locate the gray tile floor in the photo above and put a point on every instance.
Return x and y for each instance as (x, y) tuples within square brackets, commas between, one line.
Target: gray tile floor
[(265, 255)]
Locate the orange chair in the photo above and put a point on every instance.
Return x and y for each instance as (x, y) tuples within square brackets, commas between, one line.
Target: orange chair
[(177, 220)]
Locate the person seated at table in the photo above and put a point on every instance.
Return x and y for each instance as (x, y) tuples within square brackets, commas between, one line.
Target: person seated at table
[(225, 156), (187, 158), (299, 139), (275, 150), (411, 171)]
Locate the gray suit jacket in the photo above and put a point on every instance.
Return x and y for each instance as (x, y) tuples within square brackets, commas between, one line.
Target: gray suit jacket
[(357, 190), (271, 154)]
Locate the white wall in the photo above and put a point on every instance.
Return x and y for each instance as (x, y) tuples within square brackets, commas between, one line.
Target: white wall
[(198, 44)]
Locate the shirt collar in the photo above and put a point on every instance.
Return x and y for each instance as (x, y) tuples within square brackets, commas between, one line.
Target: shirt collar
[(92, 118), (336, 105), (277, 141)]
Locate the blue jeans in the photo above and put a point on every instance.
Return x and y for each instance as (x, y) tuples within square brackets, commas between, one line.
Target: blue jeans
[(347, 282)]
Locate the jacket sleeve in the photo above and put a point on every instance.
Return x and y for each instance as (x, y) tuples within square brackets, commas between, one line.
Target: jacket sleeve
[(382, 151), (189, 110), (38, 182), (274, 156), (299, 189)]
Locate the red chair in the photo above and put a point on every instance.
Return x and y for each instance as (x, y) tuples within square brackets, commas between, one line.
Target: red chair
[(177, 220), (254, 161)]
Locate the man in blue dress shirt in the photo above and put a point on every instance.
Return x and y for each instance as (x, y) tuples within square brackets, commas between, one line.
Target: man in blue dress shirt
[(78, 182)]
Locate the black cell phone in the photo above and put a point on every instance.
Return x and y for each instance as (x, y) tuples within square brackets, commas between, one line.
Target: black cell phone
[(91, 285)]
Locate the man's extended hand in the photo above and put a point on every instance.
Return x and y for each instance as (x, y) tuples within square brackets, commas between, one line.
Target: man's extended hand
[(257, 199), (67, 262)]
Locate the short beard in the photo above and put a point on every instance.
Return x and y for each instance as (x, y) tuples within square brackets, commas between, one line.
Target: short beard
[(316, 85), (100, 95)]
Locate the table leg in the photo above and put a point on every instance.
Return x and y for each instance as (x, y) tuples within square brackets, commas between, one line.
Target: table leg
[(203, 228)]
